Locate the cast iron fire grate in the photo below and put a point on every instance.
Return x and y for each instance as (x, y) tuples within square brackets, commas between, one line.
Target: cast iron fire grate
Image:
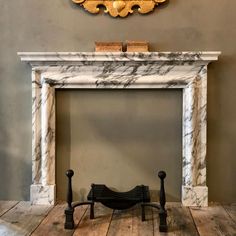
[(117, 200)]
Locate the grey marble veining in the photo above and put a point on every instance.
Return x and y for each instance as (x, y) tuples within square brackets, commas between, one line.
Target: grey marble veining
[(36, 128), (185, 70), (56, 57)]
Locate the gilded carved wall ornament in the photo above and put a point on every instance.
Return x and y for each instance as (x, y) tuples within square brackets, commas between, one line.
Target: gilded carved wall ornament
[(119, 7)]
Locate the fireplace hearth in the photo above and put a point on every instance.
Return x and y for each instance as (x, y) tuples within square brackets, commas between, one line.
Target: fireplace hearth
[(150, 70)]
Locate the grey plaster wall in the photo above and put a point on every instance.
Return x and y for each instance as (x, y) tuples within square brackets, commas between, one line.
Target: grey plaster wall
[(59, 25)]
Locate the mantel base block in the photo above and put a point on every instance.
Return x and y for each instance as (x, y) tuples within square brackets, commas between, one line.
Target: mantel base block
[(42, 195), (195, 196)]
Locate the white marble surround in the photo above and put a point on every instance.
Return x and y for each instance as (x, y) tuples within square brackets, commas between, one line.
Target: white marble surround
[(162, 70)]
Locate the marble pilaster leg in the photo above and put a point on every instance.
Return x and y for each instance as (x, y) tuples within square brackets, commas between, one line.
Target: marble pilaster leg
[(44, 192), (194, 189), (36, 128)]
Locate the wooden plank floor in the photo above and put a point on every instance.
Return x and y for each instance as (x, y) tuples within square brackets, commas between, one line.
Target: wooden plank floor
[(21, 218)]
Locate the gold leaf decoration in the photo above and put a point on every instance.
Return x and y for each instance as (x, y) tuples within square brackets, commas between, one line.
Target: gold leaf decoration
[(119, 7)]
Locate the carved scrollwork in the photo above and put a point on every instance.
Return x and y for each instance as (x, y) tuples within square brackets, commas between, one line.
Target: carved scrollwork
[(119, 7)]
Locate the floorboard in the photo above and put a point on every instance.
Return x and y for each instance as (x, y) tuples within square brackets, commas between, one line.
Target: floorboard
[(213, 221), (121, 223), (128, 222), (6, 206), (22, 219), (231, 210), (97, 226), (139, 227), (179, 221), (17, 219), (53, 224)]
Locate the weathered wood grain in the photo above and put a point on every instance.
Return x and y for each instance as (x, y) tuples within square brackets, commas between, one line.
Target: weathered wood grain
[(121, 223), (179, 220), (96, 227), (231, 210), (139, 227), (129, 222), (53, 224), (22, 219), (6, 206), (108, 46), (213, 221)]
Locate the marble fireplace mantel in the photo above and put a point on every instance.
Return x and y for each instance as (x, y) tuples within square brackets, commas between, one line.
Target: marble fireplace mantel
[(160, 70)]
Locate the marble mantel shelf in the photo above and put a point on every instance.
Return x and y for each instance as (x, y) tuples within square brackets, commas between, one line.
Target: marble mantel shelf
[(120, 70), (50, 57)]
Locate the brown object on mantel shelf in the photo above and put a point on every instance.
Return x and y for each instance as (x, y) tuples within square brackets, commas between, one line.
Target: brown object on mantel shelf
[(108, 46), (137, 46)]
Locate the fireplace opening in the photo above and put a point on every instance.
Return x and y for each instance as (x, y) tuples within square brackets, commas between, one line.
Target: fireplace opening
[(120, 138)]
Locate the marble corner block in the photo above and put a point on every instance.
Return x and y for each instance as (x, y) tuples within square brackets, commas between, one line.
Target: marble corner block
[(42, 194), (118, 70), (195, 196)]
